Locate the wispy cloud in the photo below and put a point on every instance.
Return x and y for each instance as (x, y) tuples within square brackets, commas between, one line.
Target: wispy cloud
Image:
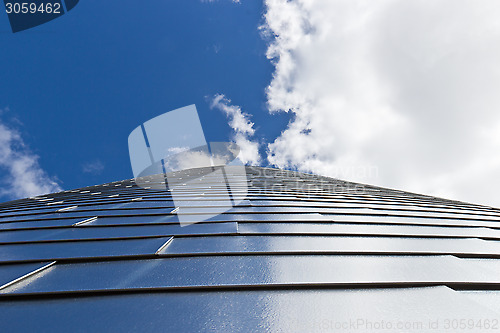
[(396, 93), (242, 129), (95, 167), (22, 175)]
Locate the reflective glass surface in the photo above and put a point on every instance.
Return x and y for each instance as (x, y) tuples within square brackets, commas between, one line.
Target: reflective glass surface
[(333, 244), (424, 220), (39, 223), (138, 219), (252, 270), (244, 311), (91, 232), (80, 249), (9, 273), (299, 253), (364, 229)]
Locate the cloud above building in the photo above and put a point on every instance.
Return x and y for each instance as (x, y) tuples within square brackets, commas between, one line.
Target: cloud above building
[(22, 175), (242, 127), (401, 94), (95, 167)]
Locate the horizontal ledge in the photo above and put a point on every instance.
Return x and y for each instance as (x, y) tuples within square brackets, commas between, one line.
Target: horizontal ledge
[(82, 226), (243, 254), (457, 286), (335, 218), (248, 234)]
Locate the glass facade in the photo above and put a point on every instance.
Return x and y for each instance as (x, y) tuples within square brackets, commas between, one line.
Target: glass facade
[(300, 253)]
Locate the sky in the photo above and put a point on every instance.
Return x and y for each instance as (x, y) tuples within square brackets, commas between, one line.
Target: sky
[(394, 93)]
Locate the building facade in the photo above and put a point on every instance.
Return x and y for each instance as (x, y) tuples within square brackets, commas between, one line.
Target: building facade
[(300, 253)]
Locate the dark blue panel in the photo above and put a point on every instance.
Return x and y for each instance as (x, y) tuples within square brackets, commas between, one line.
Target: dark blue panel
[(79, 249), (411, 220), (254, 270), (269, 217), (241, 311), (389, 207), (117, 212), (29, 235), (127, 205), (9, 273), (334, 244), (364, 229), (29, 212), (26, 217), (39, 223), (135, 219), (90, 232)]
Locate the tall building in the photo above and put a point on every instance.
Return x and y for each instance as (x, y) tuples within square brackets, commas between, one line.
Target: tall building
[(301, 253)]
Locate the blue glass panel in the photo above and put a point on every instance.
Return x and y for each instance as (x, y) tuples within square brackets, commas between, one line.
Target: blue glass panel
[(29, 235), (365, 229), (79, 249), (90, 232), (411, 220), (258, 244), (244, 311), (108, 220), (300, 209), (379, 206), (91, 213), (39, 223), (128, 205), (30, 211), (269, 217), (252, 270), (26, 217), (9, 273)]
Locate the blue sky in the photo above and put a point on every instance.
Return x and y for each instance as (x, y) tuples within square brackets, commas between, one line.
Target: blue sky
[(395, 93), (81, 83)]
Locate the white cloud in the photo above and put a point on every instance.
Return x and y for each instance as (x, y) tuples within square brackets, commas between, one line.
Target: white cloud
[(95, 167), (22, 174), (242, 127), (398, 93), (187, 160)]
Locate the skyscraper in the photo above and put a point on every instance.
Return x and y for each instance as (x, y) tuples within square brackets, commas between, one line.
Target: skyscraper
[(301, 253)]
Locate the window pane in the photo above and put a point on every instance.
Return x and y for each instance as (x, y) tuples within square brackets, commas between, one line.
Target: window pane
[(40, 223), (91, 232), (9, 273), (332, 244), (365, 229), (243, 311), (252, 270), (79, 249)]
